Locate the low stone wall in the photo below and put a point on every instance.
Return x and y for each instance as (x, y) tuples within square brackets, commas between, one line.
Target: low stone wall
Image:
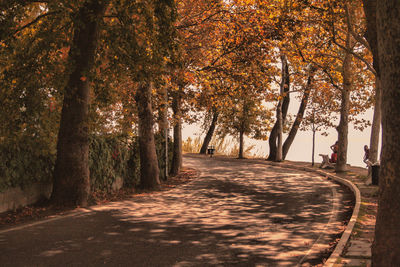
[(15, 198)]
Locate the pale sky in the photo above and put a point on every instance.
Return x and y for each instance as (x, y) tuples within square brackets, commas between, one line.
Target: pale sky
[(301, 148)]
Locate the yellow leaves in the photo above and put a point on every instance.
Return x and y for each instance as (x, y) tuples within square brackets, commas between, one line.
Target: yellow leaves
[(167, 59), (247, 2)]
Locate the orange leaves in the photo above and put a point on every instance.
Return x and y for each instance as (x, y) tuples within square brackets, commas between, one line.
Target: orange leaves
[(64, 52)]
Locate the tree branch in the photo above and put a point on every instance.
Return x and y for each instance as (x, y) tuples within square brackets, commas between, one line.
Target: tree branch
[(369, 66), (331, 79), (356, 36), (35, 21)]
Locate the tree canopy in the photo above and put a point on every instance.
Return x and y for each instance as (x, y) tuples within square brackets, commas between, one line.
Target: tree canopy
[(202, 58)]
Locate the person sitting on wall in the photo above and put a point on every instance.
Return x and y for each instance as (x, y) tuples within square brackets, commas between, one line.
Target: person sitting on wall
[(335, 148)]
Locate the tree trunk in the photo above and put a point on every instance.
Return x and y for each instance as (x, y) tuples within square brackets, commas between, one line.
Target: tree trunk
[(210, 133), (283, 90), (371, 32), (274, 132), (313, 148), (241, 145), (149, 171), (177, 151), (272, 143), (279, 131), (343, 128), (376, 124), (163, 111), (163, 130), (386, 246), (273, 148), (71, 174), (299, 117)]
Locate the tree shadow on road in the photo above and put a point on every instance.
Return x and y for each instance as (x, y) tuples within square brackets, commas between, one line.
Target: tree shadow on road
[(219, 220)]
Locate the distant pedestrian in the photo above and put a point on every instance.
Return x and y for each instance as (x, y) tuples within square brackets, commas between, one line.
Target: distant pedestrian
[(366, 156)]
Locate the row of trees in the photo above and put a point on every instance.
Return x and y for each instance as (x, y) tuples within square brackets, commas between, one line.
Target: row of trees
[(324, 59), (71, 68)]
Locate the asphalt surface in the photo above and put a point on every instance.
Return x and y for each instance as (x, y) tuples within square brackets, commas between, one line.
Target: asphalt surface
[(237, 213)]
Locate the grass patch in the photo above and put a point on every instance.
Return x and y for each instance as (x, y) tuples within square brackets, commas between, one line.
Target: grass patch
[(357, 230), (362, 177)]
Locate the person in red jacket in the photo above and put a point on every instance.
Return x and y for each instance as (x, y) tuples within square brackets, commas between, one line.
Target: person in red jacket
[(335, 148)]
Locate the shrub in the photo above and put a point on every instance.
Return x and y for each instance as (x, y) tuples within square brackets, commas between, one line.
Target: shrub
[(111, 157), (25, 161)]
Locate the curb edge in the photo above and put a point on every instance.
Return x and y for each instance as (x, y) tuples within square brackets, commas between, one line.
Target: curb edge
[(335, 255)]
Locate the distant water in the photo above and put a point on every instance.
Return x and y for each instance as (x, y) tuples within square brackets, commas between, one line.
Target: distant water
[(301, 149)]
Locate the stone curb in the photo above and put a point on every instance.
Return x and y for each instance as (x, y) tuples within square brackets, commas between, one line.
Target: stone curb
[(349, 228), (335, 255), (330, 261)]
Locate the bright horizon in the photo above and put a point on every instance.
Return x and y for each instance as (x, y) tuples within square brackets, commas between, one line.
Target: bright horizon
[(301, 149)]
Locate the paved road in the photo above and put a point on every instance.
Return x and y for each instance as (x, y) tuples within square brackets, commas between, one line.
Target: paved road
[(237, 213)]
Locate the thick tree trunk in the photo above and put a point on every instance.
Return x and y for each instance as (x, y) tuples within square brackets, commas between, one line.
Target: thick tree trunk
[(149, 171), (386, 247), (177, 151), (376, 124), (210, 133), (371, 33), (241, 145), (343, 128), (273, 148), (299, 117), (71, 174), (272, 143)]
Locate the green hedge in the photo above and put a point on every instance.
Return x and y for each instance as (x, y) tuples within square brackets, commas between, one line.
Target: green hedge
[(24, 162), (110, 158), (29, 161)]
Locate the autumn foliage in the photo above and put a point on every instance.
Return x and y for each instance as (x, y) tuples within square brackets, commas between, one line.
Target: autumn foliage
[(203, 57)]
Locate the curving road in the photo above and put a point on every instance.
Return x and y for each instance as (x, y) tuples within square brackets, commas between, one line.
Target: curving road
[(237, 213)]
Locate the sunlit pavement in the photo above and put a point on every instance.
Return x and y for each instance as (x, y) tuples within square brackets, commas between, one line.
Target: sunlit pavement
[(235, 214)]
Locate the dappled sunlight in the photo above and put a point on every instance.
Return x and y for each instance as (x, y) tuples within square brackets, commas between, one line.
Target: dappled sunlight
[(234, 214), (51, 253), (256, 210)]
